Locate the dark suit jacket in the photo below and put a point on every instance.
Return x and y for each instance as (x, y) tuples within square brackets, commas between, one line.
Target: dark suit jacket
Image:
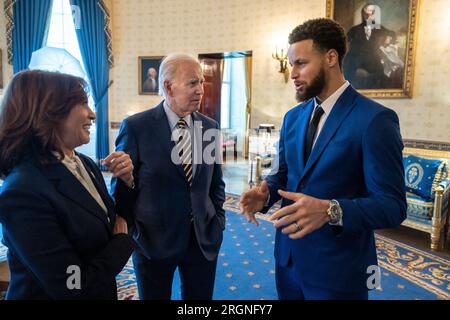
[(51, 222), (365, 54), (150, 85), (357, 160), (162, 204)]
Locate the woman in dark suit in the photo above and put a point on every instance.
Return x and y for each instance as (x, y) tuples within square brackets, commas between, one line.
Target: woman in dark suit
[(64, 238)]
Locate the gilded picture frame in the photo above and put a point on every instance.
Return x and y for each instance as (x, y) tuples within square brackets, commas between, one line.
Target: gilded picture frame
[(381, 41), (1, 69), (148, 69)]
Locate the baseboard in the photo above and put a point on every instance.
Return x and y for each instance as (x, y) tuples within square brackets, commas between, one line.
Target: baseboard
[(425, 144)]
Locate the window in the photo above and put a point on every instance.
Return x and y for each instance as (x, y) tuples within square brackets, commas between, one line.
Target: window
[(225, 96), (233, 99), (61, 34)]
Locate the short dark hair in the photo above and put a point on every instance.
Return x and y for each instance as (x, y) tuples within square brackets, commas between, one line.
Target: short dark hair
[(34, 106), (325, 33)]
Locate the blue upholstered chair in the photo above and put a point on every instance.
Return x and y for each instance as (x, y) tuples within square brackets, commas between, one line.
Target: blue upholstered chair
[(428, 193)]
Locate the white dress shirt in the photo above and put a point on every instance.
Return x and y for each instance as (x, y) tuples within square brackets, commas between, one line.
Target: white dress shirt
[(76, 167), (173, 118), (327, 106)]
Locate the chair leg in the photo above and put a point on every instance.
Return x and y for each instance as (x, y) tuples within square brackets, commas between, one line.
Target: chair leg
[(435, 234), (436, 221), (447, 229), (447, 233)]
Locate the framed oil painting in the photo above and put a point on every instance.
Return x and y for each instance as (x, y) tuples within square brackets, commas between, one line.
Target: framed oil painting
[(1, 70), (381, 39), (148, 75)]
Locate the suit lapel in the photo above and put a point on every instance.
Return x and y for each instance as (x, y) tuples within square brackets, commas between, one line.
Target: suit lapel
[(339, 112), (101, 190), (163, 132), (66, 184), (302, 126)]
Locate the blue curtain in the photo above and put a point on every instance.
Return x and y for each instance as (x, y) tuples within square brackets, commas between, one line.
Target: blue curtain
[(31, 19), (93, 46)]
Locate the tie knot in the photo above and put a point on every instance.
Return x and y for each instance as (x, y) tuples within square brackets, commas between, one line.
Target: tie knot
[(181, 123), (318, 112)]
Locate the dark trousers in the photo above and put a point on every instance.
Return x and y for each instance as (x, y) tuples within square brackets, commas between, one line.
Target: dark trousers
[(291, 287), (197, 275)]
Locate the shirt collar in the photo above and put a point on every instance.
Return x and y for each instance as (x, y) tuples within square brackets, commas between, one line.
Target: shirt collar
[(329, 102), (65, 158), (173, 117)]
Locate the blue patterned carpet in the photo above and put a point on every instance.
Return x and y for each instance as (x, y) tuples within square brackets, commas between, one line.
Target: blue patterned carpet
[(245, 267)]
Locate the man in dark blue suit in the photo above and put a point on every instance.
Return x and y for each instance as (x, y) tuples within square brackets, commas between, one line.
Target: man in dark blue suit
[(340, 164), (175, 207)]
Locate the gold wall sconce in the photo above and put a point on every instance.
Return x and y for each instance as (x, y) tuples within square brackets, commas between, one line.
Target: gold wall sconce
[(280, 54)]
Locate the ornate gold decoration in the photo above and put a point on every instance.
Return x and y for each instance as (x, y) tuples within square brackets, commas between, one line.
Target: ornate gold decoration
[(8, 7), (427, 153), (426, 270), (107, 29)]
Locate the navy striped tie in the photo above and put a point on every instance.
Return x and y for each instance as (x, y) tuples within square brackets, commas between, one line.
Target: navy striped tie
[(312, 129), (184, 149)]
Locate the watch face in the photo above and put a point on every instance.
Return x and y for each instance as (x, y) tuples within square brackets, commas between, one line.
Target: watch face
[(335, 213)]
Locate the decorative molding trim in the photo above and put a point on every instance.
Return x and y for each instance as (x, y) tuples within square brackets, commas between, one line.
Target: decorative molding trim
[(428, 145), (8, 7), (418, 226), (108, 34)]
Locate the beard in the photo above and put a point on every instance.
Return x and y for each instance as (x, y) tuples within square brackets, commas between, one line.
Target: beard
[(314, 89)]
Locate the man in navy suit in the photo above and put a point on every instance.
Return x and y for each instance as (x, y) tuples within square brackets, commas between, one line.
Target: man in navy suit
[(340, 166), (175, 207)]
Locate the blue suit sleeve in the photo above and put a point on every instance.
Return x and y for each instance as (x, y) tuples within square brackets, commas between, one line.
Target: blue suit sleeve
[(125, 197), (37, 238), (217, 190), (385, 204)]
